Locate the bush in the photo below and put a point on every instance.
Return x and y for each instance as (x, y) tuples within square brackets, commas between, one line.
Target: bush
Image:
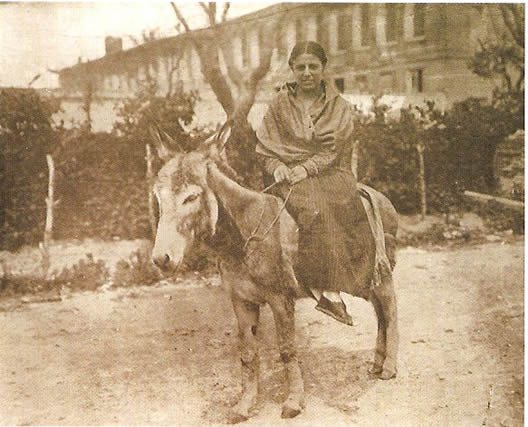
[(137, 270), (100, 178), (27, 134), (102, 189), (459, 152), (87, 275), (497, 218), (169, 113)]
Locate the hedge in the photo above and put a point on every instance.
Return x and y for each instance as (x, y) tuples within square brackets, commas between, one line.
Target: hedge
[(101, 178)]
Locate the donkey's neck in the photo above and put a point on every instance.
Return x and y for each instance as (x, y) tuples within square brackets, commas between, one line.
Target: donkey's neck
[(241, 205), (232, 195)]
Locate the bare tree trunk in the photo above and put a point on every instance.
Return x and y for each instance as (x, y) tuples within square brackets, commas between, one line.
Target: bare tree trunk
[(420, 148), (208, 44), (150, 181), (48, 230)]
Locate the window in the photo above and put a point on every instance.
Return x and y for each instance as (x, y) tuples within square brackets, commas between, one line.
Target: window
[(320, 30), (365, 25), (391, 22), (340, 84), (419, 19), (343, 31), (361, 84), (417, 83), (386, 83), (299, 33)]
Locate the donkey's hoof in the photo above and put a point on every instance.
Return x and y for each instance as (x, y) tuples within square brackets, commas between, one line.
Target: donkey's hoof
[(376, 370), (235, 418), (289, 412), (387, 374)]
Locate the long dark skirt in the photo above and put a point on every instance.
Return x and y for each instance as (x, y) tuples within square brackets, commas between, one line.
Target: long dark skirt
[(336, 246)]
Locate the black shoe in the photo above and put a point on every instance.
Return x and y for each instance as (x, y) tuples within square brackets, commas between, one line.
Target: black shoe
[(337, 310)]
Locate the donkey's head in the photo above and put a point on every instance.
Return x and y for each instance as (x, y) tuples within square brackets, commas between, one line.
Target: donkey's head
[(187, 206)]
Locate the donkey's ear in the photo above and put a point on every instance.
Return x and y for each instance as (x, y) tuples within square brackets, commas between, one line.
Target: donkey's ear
[(212, 207), (215, 144), (166, 146), (223, 135)]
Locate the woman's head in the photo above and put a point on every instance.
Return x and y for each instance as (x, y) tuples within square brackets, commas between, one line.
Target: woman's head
[(308, 47), (307, 61)]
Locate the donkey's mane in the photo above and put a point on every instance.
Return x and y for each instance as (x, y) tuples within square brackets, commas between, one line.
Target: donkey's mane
[(227, 240)]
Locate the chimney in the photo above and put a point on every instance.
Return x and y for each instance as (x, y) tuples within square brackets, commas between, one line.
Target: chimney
[(113, 45)]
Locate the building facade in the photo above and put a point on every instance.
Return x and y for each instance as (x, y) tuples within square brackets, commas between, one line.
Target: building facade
[(406, 52)]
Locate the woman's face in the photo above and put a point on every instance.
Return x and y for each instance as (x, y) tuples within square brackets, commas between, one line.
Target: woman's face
[(308, 72)]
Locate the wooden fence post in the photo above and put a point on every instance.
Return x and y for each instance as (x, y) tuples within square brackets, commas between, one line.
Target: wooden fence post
[(420, 148), (48, 230), (150, 181)]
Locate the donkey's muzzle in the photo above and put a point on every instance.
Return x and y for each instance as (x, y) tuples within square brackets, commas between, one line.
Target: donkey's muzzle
[(163, 262)]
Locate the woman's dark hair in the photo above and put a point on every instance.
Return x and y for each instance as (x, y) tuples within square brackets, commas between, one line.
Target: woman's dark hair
[(310, 47)]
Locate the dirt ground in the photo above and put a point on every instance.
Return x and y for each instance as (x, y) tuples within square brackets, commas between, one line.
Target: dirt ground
[(167, 354)]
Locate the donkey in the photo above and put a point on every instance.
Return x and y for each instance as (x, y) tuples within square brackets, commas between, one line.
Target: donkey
[(200, 199)]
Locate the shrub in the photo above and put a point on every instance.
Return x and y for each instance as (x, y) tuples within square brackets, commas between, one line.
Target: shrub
[(497, 218), (170, 113), (137, 270), (473, 130), (27, 134), (88, 274), (459, 152), (12, 285), (102, 189)]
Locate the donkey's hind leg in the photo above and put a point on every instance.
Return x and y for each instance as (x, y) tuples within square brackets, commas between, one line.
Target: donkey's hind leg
[(387, 302), (381, 340), (247, 314), (283, 308)]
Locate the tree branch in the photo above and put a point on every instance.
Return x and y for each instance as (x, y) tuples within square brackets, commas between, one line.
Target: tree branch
[(210, 11), (267, 44), (227, 5), (520, 81), (180, 16), (206, 46), (234, 74), (518, 16), (517, 36)]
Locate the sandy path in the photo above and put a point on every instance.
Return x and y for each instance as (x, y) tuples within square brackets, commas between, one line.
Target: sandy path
[(168, 354)]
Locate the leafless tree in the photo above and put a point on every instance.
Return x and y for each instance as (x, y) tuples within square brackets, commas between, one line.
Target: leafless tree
[(235, 91), (501, 55)]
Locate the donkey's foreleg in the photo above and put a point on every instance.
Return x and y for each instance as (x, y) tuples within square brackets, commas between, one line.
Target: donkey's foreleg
[(247, 314), (387, 299), (283, 308)]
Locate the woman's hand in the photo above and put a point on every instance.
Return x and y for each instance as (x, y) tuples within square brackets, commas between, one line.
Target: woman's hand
[(298, 173), (281, 173)]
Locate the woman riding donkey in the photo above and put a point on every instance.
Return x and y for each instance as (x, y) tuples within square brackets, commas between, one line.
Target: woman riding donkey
[(304, 146)]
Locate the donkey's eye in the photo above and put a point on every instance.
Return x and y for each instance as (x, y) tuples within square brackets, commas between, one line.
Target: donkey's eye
[(190, 198)]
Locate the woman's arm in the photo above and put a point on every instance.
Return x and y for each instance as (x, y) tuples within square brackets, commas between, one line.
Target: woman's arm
[(269, 164), (323, 159)]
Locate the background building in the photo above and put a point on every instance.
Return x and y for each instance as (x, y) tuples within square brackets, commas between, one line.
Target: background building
[(407, 52)]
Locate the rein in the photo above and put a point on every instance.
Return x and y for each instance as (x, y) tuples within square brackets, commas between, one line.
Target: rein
[(253, 235)]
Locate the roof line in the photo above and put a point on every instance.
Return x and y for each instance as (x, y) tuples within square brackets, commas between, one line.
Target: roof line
[(258, 14)]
